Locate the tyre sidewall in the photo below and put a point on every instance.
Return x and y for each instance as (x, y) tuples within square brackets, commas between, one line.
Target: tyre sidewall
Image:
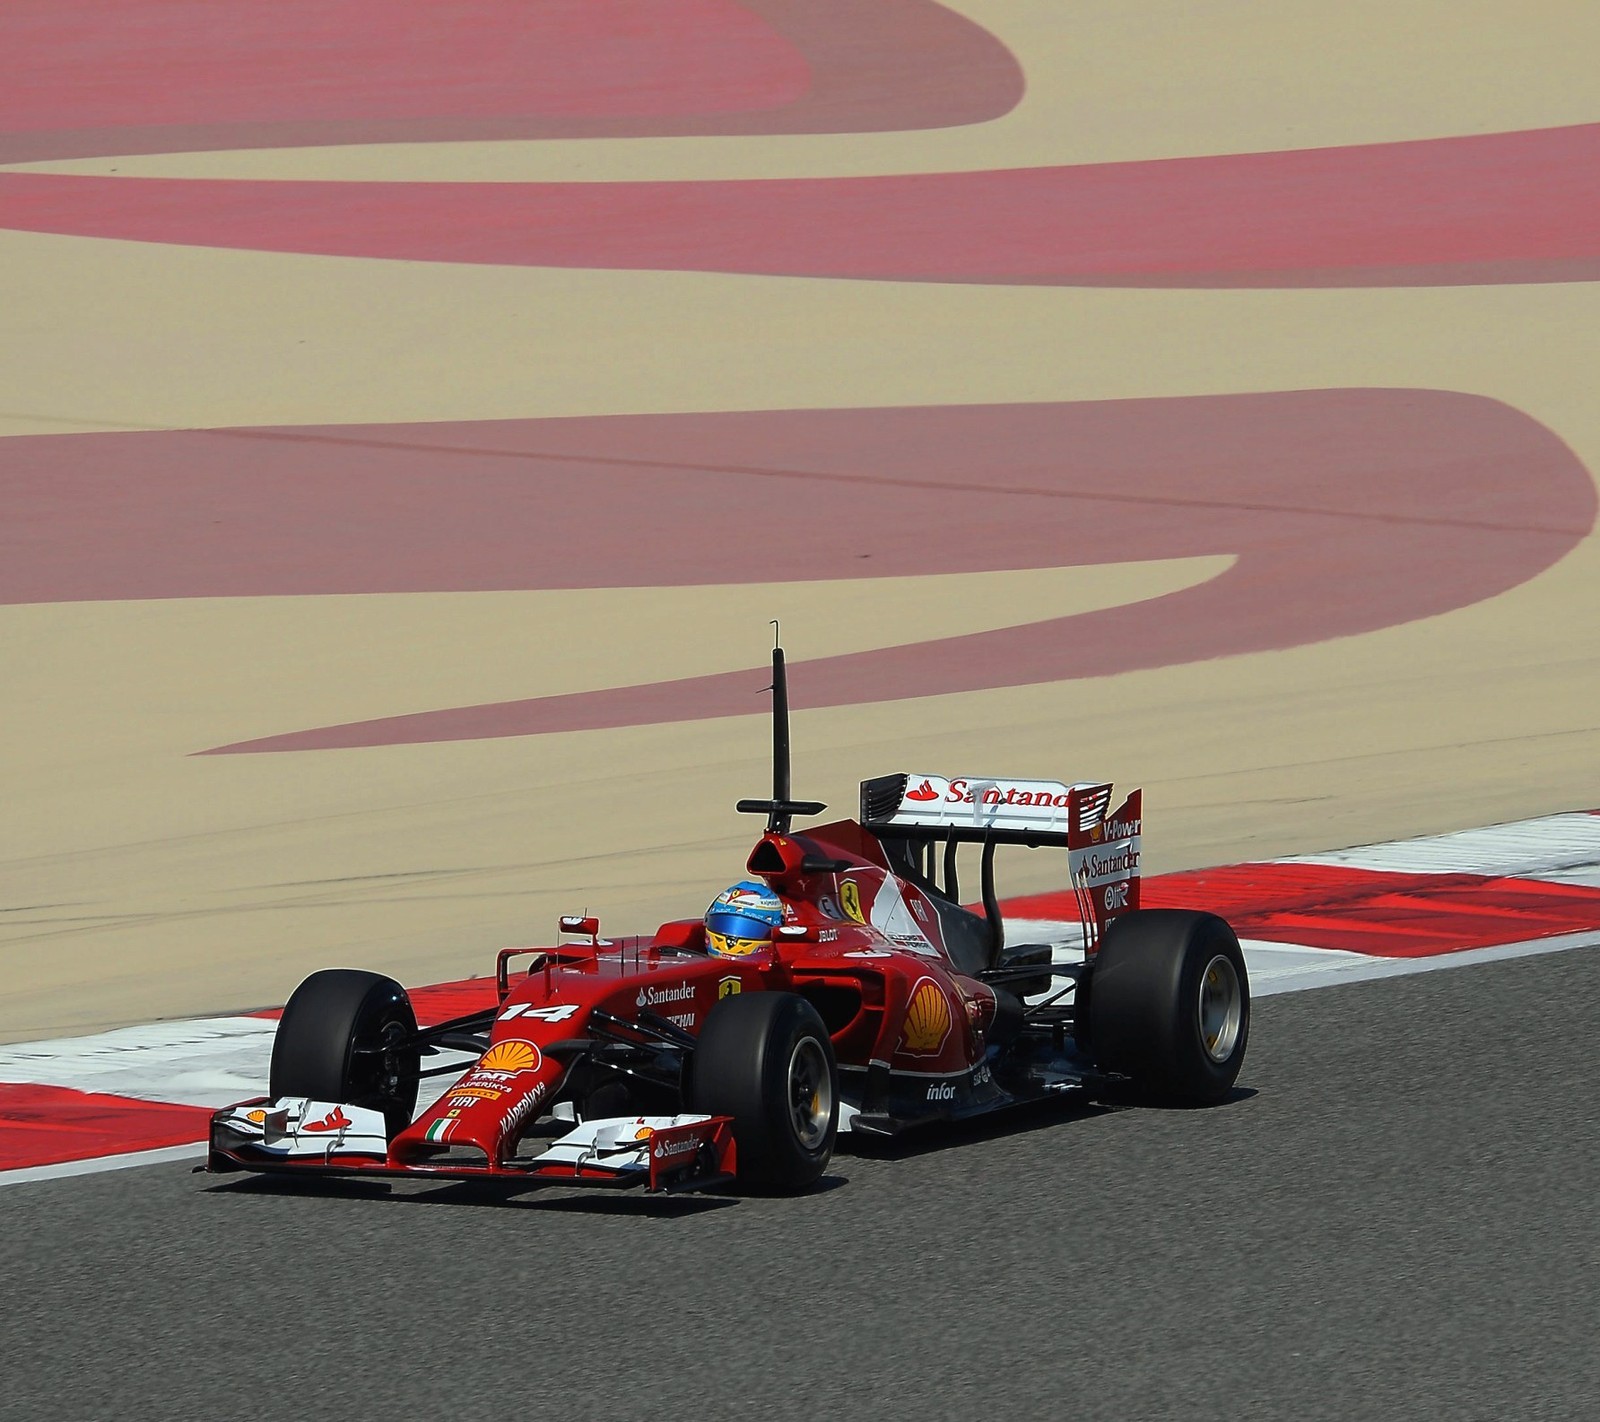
[(314, 1051), (1144, 1004), (741, 1069)]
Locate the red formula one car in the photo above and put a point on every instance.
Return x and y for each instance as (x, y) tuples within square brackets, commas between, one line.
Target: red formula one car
[(865, 998)]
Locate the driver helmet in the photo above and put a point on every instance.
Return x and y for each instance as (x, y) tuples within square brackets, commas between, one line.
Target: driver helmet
[(742, 919)]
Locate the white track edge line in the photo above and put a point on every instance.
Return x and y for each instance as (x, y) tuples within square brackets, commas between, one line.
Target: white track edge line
[(1370, 968), (162, 1155)]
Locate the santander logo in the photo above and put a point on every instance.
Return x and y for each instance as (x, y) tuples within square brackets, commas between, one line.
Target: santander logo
[(652, 996), (1057, 797), (924, 792)]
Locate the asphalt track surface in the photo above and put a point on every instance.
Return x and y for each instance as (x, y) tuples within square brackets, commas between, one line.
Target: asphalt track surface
[(1394, 1217)]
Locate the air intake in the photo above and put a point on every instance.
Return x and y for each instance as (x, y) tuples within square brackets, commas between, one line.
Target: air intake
[(765, 859)]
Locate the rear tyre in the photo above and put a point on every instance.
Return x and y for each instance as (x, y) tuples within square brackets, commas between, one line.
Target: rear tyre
[(342, 1039), (765, 1059), (1169, 1005)]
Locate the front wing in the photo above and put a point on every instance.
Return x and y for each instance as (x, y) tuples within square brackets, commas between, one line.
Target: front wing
[(294, 1135)]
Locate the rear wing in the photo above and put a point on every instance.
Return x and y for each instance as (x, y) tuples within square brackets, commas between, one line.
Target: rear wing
[(1102, 844)]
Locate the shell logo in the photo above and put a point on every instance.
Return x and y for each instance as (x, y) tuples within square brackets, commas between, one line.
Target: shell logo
[(928, 1019), (515, 1055)]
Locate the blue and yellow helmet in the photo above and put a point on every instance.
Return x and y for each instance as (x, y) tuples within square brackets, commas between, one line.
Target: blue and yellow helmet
[(742, 920)]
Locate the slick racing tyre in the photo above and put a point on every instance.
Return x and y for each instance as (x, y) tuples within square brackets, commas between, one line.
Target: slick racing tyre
[(1169, 1005), (764, 1058), (342, 1039)]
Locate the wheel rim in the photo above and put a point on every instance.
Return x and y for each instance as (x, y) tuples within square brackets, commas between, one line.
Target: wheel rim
[(1221, 1008), (810, 1093)]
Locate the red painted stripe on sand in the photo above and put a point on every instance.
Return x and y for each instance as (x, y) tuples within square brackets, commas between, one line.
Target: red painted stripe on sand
[(49, 1125), (1394, 490), (1523, 205), (80, 77), (1346, 510), (1362, 910), (83, 64)]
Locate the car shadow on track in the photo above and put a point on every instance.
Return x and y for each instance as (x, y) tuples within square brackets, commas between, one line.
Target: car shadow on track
[(1015, 1121), (472, 1194)]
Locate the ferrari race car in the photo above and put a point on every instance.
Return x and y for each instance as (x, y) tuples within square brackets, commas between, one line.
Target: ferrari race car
[(692, 1058)]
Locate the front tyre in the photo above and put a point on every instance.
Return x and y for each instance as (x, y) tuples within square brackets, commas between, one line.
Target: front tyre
[(765, 1059), (343, 1038), (1169, 1004)]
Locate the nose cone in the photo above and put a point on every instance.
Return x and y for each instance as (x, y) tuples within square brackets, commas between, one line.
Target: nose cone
[(481, 1118)]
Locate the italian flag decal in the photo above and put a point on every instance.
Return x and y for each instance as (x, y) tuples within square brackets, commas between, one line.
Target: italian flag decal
[(438, 1131)]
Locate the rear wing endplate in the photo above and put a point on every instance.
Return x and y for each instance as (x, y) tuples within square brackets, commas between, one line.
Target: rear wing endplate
[(1102, 843)]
